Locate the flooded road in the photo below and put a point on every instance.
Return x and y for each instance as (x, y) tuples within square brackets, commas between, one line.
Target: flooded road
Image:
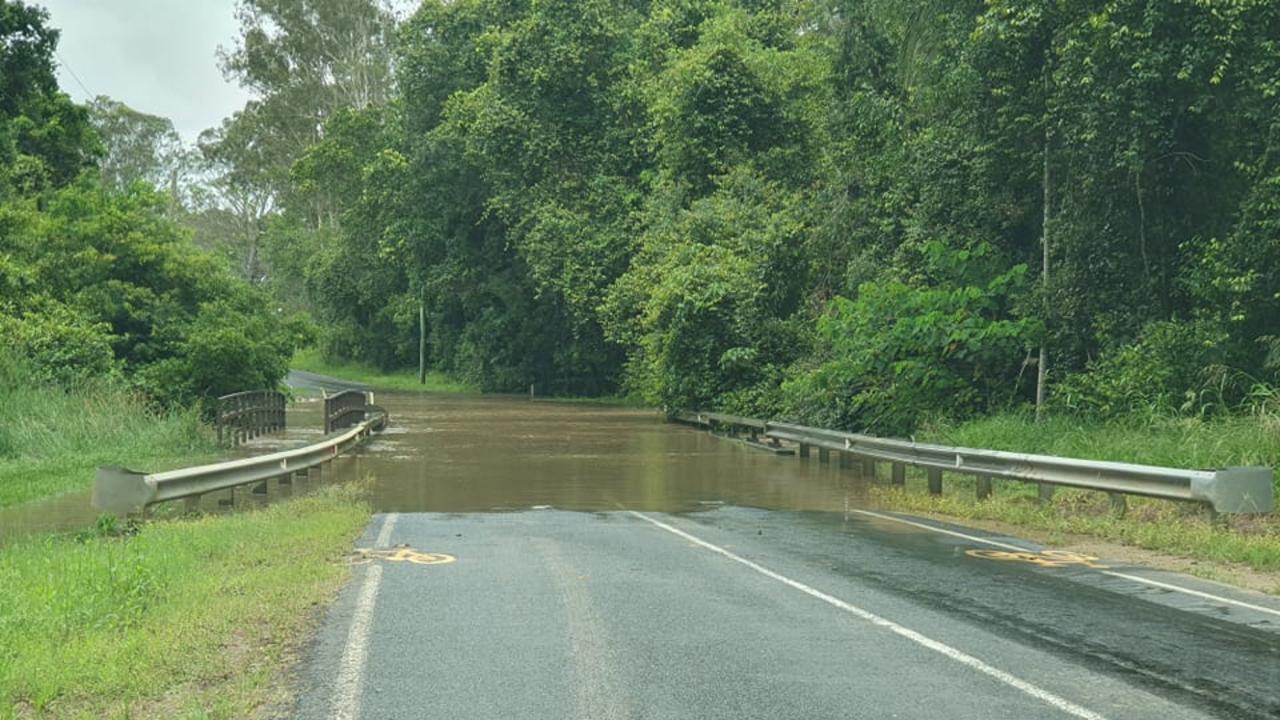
[(477, 454), (466, 453)]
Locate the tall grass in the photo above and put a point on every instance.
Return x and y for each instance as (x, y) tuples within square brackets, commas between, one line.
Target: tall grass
[(1153, 439), (51, 437), (188, 618)]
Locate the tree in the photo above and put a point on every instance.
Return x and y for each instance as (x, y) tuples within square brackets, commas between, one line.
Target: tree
[(144, 148)]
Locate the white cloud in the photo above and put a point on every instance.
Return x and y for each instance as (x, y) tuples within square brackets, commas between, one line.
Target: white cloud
[(157, 56)]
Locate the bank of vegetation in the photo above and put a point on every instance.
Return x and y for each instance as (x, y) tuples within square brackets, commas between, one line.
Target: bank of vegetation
[(53, 436), (197, 617), (857, 214), (121, 319)]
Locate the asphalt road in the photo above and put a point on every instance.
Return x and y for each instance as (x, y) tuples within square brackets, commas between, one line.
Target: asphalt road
[(739, 613), (303, 380)]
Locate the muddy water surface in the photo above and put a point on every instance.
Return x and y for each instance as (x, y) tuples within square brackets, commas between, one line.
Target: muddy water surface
[(452, 453), (476, 454)]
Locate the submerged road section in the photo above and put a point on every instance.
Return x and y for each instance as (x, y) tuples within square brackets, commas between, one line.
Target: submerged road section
[(760, 593)]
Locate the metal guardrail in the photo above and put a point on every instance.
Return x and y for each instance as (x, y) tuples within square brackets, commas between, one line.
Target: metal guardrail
[(345, 408), (1229, 490), (245, 415), (122, 491)]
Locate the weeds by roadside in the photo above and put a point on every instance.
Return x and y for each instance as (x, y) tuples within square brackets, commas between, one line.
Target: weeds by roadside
[(187, 618), (51, 438)]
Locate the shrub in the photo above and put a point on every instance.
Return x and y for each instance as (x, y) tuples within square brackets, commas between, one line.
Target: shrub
[(899, 353)]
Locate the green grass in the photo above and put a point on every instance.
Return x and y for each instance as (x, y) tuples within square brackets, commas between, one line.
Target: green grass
[(1190, 443), (406, 380), (1171, 528), (189, 618), (52, 439)]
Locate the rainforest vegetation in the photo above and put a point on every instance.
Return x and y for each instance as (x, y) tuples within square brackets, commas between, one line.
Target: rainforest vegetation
[(863, 214)]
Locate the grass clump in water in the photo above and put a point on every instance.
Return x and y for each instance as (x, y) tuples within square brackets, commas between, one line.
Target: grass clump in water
[(188, 618)]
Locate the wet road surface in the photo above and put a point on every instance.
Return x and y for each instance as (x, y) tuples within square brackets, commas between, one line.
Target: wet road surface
[(541, 560)]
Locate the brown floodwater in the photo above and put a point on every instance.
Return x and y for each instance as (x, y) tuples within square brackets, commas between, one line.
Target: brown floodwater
[(455, 453)]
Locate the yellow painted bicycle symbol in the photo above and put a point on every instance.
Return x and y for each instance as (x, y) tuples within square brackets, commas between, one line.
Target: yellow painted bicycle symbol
[(1045, 558), (400, 554)]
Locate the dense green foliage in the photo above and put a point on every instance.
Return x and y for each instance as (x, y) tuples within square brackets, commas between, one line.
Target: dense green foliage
[(830, 210), (98, 282), (859, 213)]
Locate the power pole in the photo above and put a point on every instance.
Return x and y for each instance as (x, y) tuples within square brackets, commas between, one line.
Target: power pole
[(1042, 367), (422, 343)]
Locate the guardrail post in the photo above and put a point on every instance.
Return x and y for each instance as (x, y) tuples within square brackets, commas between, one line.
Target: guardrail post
[(804, 450), (984, 487), (191, 504), (1119, 505), (229, 500), (260, 488), (846, 459), (899, 474), (935, 481), (1046, 493), (869, 469), (824, 455)]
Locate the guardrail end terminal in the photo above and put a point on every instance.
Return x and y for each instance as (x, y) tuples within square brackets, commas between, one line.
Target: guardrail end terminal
[(1238, 490), (120, 490)]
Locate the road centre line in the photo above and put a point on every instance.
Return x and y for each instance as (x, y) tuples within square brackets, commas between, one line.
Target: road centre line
[(963, 658), (346, 698), (1126, 576)]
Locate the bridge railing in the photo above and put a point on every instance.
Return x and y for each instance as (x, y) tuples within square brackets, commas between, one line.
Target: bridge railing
[(245, 415), (1229, 490), (345, 409), (122, 491)]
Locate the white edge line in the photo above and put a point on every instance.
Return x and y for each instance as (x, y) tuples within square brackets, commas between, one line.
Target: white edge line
[(944, 531), (384, 534), (963, 658), (346, 698), (1126, 576), (1189, 591)]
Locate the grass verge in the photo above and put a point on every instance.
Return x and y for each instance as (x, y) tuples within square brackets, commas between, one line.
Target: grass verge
[(311, 360), (51, 439), (1191, 443), (187, 618), (1234, 546)]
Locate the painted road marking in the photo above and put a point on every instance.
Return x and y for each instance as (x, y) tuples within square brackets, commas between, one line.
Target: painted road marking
[(963, 658), (1044, 558), (402, 554), (346, 697), (1113, 573)]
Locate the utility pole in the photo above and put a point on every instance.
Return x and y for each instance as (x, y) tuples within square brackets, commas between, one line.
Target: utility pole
[(1042, 367), (422, 342)]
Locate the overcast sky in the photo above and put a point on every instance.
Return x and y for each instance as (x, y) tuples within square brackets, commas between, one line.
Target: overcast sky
[(157, 56)]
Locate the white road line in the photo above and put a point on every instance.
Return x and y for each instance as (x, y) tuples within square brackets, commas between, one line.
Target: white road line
[(1126, 576), (346, 698), (384, 535), (1045, 696), (912, 523), (1189, 591)]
